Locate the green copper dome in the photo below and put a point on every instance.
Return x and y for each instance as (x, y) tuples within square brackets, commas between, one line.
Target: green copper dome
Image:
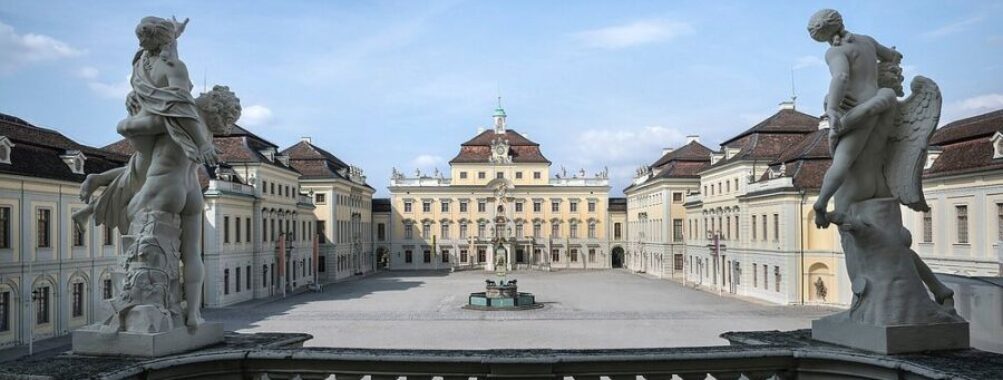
[(499, 112)]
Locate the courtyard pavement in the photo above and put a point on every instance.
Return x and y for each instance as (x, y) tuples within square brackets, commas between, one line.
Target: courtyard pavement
[(584, 309)]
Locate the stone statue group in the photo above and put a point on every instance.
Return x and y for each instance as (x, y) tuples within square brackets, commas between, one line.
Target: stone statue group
[(878, 145), (155, 201)]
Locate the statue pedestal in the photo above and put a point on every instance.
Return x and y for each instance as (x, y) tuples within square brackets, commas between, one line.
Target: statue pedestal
[(896, 339), (90, 340)]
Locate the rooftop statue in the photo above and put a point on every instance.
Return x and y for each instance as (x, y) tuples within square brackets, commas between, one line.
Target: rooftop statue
[(155, 201), (878, 145)]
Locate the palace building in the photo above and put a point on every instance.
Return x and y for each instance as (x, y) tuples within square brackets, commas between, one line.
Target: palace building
[(501, 205)]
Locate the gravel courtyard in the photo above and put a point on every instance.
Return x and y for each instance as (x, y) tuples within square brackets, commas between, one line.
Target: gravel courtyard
[(584, 309)]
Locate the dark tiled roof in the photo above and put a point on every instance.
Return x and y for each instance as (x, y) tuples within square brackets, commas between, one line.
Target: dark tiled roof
[(314, 162), (381, 204), (37, 151), (806, 161), (617, 204), (693, 151), (977, 126), (478, 149), (967, 145), (239, 146), (763, 146), (784, 121)]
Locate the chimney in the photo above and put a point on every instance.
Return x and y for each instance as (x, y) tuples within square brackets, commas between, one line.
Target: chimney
[(692, 139), (306, 139), (787, 105), (666, 151)]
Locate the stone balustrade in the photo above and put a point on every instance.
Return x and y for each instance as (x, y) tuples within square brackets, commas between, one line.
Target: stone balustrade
[(751, 355)]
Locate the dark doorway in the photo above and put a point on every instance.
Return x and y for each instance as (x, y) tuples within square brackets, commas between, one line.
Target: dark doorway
[(520, 256), (617, 257)]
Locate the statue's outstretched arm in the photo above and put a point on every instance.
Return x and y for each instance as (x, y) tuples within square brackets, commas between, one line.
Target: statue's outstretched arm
[(886, 54)]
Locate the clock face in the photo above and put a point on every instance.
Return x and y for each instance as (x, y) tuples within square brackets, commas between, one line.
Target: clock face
[(500, 150)]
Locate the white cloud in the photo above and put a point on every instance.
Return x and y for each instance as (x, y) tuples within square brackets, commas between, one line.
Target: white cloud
[(427, 162), (116, 90), (633, 34), (954, 27), (972, 106), (808, 61), (255, 115), (87, 72), (619, 146), (23, 49)]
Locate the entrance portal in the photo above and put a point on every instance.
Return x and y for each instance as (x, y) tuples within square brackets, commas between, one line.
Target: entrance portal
[(617, 257)]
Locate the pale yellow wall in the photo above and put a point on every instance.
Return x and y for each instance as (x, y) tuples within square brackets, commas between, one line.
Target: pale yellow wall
[(508, 170)]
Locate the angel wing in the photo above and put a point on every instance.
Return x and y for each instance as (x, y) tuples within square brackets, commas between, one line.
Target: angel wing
[(915, 121)]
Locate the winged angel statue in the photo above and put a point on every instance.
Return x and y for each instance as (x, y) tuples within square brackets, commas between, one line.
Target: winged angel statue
[(878, 147)]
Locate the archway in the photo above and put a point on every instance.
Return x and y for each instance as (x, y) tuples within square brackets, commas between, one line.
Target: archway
[(617, 257)]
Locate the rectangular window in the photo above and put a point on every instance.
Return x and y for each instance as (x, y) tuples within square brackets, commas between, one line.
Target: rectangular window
[(321, 229), (537, 206), (518, 206), (427, 256), (407, 206), (617, 231), (928, 226), (518, 175), (5, 227), (574, 255), (43, 223), (237, 283), (444, 231), (677, 230), (426, 231), (463, 231), (106, 288), (407, 256), (999, 221), (444, 207), (482, 255), (592, 206), (426, 206), (763, 219), (226, 229), (592, 230), (961, 213), (409, 231), (755, 275), (481, 175), (481, 230), (677, 197), (499, 175), (5, 311), (236, 230), (320, 198), (445, 255), (42, 306), (555, 230), (463, 255), (536, 175), (776, 227), (592, 255), (463, 206), (247, 229), (776, 278), (753, 227), (537, 230), (574, 206), (555, 255), (248, 272), (482, 206), (555, 206), (574, 231), (78, 300), (78, 236), (463, 175)]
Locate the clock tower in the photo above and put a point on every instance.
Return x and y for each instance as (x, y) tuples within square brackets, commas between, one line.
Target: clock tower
[(499, 119)]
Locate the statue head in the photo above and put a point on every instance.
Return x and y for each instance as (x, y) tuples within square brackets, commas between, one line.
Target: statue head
[(890, 76), (824, 25), (219, 109), (155, 32)]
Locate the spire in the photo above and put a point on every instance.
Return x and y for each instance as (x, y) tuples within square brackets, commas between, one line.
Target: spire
[(499, 117)]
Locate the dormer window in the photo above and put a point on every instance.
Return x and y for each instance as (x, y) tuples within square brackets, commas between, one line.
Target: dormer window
[(268, 153), (5, 146), (75, 160), (997, 140), (284, 159), (931, 155)]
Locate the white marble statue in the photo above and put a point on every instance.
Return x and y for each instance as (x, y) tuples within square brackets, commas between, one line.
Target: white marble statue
[(155, 201), (878, 146)]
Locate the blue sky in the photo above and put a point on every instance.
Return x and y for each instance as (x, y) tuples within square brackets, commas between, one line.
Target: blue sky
[(403, 83)]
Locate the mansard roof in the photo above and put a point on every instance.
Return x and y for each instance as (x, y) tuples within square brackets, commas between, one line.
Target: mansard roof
[(478, 149), (37, 152), (805, 162), (784, 121), (967, 145)]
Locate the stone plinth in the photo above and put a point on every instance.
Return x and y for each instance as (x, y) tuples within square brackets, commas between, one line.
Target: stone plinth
[(506, 290), (90, 340), (895, 339)]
